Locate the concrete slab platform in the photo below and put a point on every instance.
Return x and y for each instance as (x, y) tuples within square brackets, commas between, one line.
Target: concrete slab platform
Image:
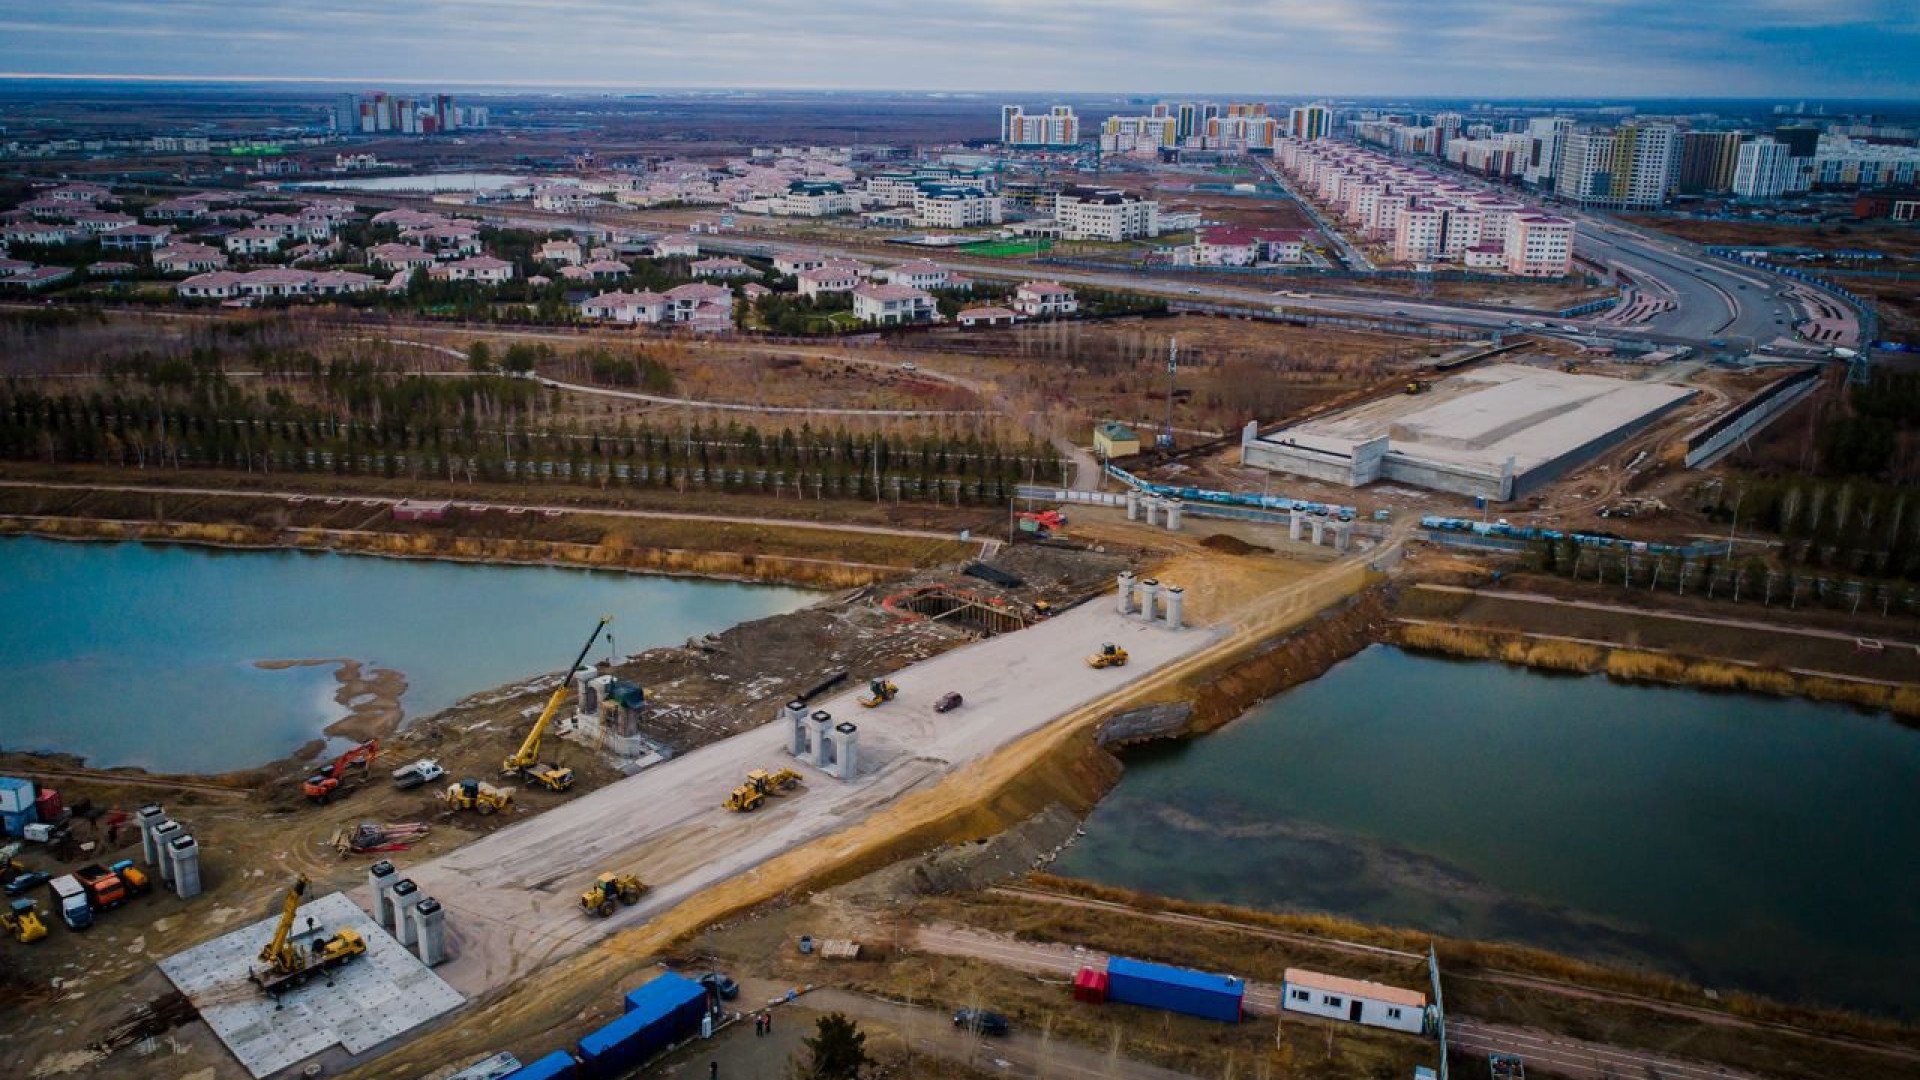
[(382, 994)]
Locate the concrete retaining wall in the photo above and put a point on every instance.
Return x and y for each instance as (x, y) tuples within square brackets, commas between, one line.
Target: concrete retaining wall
[(1139, 725), (1709, 446)]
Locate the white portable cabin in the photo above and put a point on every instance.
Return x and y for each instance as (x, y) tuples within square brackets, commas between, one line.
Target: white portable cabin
[(1371, 1003)]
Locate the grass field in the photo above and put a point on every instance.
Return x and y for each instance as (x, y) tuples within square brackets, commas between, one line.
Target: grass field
[(1006, 249)]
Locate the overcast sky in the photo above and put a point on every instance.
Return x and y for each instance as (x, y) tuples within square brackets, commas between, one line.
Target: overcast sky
[(1511, 48)]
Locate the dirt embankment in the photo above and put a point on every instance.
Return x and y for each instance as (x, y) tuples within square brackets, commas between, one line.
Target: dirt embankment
[(371, 697), (734, 566), (1634, 665)]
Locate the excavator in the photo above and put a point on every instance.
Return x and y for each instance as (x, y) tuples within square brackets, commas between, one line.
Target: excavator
[(526, 762), (289, 963), (1110, 655), (321, 786), (22, 921), (599, 897), (477, 795), (879, 692)]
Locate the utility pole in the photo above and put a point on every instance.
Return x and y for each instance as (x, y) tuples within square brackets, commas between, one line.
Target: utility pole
[(1173, 366)]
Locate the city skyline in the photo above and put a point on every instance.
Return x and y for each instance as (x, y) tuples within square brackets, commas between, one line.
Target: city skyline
[(1493, 48)]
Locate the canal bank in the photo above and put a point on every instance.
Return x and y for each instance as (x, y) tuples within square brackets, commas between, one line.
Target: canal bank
[(1736, 841)]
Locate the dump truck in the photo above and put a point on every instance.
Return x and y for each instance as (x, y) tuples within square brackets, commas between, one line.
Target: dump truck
[(1110, 655), (134, 878), (70, 900), (291, 960), (879, 692), (22, 921), (104, 888), (477, 795), (600, 896)]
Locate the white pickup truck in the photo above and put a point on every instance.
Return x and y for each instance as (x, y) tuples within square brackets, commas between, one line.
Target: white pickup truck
[(424, 771)]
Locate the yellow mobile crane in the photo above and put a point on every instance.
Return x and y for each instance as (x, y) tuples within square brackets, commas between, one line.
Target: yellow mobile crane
[(289, 963), (527, 762)]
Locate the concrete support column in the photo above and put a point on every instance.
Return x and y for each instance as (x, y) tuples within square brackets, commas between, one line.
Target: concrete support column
[(818, 725), (1343, 536), (184, 855), (164, 834), (149, 816), (794, 714), (846, 764), (1153, 511), (381, 877), (430, 931), (1293, 523), (1176, 607), (1149, 592), (1125, 603), (1174, 509), (406, 897), (1319, 531), (1133, 505)]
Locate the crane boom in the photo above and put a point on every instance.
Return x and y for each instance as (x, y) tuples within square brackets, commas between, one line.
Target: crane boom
[(276, 948), (530, 749)]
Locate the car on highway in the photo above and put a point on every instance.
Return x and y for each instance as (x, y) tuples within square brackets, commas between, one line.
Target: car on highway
[(1515, 323), (982, 1022), (1397, 311), (25, 880), (909, 366), (1193, 291), (948, 702), (1569, 328), (721, 985), (1537, 326)]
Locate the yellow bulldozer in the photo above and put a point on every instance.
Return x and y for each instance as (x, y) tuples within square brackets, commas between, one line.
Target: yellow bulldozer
[(778, 782), (879, 692), (607, 888), (745, 799), (477, 795), (526, 762), (22, 921), (290, 962), (1110, 655)]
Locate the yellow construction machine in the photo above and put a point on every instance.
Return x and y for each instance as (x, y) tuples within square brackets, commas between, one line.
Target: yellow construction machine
[(599, 897), (778, 782), (1110, 655), (290, 962), (477, 795), (22, 921), (744, 799), (526, 762), (879, 692)]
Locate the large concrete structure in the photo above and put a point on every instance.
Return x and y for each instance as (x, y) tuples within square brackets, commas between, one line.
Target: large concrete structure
[(1057, 127), (1764, 170), (1497, 433), (1629, 168)]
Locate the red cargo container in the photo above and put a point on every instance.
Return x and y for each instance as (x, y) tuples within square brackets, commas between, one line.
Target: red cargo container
[(1090, 986), (48, 805)]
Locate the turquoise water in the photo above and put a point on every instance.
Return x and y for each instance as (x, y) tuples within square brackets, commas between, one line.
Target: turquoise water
[(1770, 845), (144, 655)]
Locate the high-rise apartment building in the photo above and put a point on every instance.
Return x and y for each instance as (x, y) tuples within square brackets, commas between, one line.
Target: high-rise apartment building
[(377, 111), (1628, 168), (1763, 170), (1546, 140), (1309, 121), (1057, 127), (1707, 161)]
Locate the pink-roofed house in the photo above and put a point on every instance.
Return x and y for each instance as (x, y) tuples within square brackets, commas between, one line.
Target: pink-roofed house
[(253, 242), (398, 257), (827, 279), (721, 268), (987, 316), (481, 268), (1044, 300), (626, 307), (179, 258), (893, 305)]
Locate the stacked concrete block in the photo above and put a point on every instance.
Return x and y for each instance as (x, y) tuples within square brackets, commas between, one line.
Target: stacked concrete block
[(406, 897), (1174, 511), (1149, 599), (163, 834), (846, 752), (794, 714), (1133, 505), (819, 722), (1176, 607), (148, 817), (1125, 602)]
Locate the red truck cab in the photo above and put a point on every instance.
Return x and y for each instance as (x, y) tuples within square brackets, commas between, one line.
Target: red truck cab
[(104, 887)]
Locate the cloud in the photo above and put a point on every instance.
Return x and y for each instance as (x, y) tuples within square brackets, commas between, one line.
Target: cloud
[(1530, 48)]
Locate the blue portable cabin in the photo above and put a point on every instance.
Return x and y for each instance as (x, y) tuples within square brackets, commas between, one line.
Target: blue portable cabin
[(656, 1015), (1158, 986), (558, 1065)]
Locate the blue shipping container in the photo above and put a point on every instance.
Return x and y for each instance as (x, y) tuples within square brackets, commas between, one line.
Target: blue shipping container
[(658, 1013), (15, 825), (15, 794), (1157, 986), (558, 1065)]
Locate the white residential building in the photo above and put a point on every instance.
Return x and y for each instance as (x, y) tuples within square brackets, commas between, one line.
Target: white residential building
[(919, 274), (253, 242), (188, 259), (1631, 167), (561, 252), (893, 305), (481, 268), (1237, 245), (830, 278), (1045, 300), (722, 268), (1336, 998), (676, 246), (947, 207), (1084, 213), (627, 307), (1763, 169)]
